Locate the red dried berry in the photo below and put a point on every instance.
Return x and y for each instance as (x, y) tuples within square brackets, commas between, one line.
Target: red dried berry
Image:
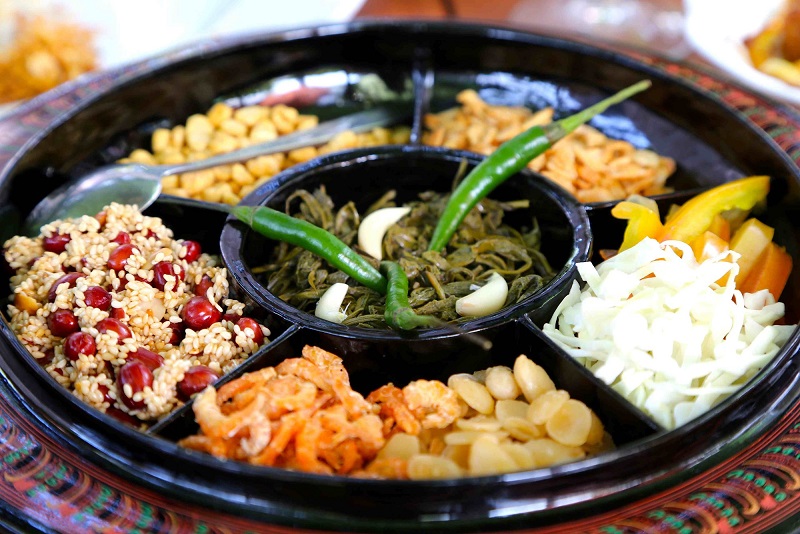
[(151, 359), (200, 313), (193, 251), (62, 322), (248, 323), (78, 343), (232, 317), (196, 379), (69, 278), (118, 258), (49, 354), (203, 285), (114, 325), (163, 269), (97, 297), (136, 375), (118, 313), (56, 243), (178, 331), (106, 394), (123, 238)]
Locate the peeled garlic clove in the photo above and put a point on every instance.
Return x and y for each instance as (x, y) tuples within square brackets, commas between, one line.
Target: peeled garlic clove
[(484, 300), (374, 226), (329, 306)]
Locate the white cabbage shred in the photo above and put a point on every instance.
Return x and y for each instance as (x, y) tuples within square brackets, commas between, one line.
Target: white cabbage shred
[(654, 324)]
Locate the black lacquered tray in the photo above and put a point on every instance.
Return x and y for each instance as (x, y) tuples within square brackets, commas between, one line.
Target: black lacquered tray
[(104, 473)]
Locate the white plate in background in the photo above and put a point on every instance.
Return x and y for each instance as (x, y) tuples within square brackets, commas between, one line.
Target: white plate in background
[(717, 29), (133, 30)]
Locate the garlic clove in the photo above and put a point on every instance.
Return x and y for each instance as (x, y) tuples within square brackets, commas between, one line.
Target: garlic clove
[(374, 227), (330, 303), (484, 300)]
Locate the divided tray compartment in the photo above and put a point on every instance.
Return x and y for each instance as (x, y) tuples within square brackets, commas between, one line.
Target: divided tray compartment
[(363, 176), (711, 142)]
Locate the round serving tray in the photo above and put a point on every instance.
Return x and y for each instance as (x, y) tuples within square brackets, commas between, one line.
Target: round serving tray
[(73, 470)]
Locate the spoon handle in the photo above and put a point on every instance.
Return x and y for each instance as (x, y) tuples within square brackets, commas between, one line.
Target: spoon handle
[(357, 122)]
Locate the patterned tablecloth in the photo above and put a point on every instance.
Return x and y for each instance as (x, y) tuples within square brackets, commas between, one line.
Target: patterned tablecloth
[(45, 485)]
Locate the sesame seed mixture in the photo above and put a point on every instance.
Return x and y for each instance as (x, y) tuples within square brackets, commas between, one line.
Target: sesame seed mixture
[(130, 320)]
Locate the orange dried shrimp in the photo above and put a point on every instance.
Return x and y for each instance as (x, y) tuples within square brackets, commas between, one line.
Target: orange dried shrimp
[(301, 414)]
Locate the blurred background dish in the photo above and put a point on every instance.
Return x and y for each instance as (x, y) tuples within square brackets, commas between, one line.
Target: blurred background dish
[(717, 29), (46, 42)]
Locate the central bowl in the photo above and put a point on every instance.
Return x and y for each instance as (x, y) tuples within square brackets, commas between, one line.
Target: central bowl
[(363, 176)]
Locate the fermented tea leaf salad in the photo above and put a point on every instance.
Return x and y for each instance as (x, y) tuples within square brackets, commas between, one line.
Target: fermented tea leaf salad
[(510, 158), (398, 315), (677, 326)]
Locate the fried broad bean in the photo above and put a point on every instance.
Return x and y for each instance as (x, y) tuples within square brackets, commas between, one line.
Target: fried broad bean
[(522, 429), (403, 446), (531, 378), (475, 394), (480, 423), (521, 455), (501, 383), (487, 457), (514, 434), (428, 466), (570, 424), (548, 452), (468, 437), (543, 407), (223, 129), (504, 408)]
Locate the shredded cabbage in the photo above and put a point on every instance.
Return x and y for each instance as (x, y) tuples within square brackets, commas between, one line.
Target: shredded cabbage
[(655, 325)]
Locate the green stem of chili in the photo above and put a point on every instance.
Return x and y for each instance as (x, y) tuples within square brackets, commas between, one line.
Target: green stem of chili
[(510, 158), (398, 313), (282, 227)]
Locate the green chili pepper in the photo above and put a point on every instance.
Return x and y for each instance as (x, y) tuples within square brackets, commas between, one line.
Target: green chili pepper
[(511, 157), (282, 227), (399, 314)]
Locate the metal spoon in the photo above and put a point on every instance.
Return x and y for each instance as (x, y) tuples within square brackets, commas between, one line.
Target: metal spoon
[(141, 184)]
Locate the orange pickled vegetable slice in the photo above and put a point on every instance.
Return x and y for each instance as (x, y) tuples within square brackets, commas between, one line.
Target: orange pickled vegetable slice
[(708, 245), (750, 240), (721, 227), (772, 271)]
